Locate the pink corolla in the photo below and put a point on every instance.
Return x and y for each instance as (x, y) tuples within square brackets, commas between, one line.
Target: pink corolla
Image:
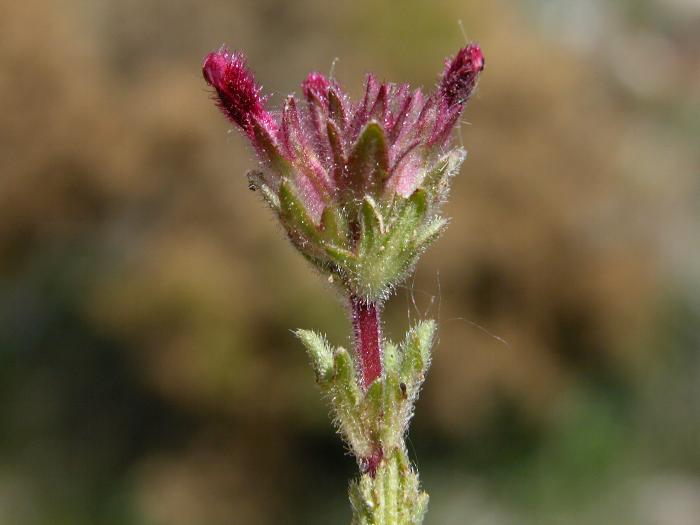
[(326, 157)]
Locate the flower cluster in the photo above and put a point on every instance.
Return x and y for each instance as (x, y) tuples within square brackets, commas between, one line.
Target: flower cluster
[(357, 185)]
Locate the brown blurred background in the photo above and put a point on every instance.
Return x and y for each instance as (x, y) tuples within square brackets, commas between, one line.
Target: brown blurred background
[(148, 375)]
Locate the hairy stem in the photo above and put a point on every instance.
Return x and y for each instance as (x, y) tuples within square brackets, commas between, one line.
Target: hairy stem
[(366, 323)]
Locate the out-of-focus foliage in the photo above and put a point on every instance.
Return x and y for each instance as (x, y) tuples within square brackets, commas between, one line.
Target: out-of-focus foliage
[(148, 374)]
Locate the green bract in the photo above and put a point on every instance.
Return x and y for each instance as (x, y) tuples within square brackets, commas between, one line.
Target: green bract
[(372, 244)]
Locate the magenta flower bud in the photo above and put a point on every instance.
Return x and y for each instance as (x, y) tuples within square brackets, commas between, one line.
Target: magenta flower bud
[(461, 73), (238, 95)]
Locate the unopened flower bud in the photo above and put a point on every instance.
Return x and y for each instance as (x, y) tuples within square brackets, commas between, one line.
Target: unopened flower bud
[(460, 75), (238, 95)]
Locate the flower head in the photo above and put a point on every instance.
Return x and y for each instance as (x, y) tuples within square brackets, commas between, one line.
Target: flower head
[(357, 185)]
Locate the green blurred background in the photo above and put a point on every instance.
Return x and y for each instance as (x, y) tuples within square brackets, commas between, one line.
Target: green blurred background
[(148, 375)]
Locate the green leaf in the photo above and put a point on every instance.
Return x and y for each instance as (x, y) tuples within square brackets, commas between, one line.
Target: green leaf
[(392, 358), (362, 501), (320, 352), (345, 397), (392, 425), (345, 380), (416, 354), (391, 497), (372, 409), (392, 492)]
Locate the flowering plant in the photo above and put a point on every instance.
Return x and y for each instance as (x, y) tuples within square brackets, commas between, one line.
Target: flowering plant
[(358, 188)]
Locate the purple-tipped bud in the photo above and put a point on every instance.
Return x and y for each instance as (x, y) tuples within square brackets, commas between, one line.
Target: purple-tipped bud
[(238, 96), (461, 74)]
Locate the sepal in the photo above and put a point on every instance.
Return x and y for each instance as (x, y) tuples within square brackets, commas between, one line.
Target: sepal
[(257, 182), (388, 247), (368, 162), (436, 179), (295, 216)]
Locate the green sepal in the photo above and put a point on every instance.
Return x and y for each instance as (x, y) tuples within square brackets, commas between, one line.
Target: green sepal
[(256, 181), (294, 214), (372, 225), (400, 238), (406, 215), (334, 225), (428, 233), (418, 203), (384, 259), (368, 162), (436, 180), (344, 259)]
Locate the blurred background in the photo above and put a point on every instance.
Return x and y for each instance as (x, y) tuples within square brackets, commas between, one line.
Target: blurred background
[(148, 375)]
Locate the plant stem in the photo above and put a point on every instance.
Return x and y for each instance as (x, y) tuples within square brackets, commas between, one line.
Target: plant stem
[(366, 323)]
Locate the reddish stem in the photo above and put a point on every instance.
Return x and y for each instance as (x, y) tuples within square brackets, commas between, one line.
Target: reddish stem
[(371, 464), (366, 323), (367, 326)]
